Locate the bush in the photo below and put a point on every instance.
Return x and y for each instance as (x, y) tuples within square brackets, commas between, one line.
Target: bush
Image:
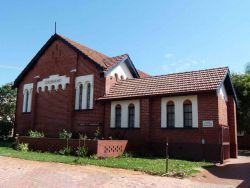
[(5, 128), (82, 151), (65, 134), (66, 151), (97, 133), (35, 134), (22, 147)]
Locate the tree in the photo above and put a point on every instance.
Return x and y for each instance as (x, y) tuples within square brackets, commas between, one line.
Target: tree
[(242, 86), (247, 69), (7, 108)]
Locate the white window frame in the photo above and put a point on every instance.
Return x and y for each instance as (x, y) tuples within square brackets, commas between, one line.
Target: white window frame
[(84, 80), (27, 88), (124, 113), (179, 117)]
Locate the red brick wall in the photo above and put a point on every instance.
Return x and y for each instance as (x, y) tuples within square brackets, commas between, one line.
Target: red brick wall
[(232, 122), (55, 109), (222, 111), (151, 136), (150, 111)]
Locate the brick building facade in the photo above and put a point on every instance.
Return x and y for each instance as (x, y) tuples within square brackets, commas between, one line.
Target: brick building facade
[(70, 86)]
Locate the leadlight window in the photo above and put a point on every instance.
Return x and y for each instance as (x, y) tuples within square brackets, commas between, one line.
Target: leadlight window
[(187, 113), (131, 116), (26, 101), (118, 116), (80, 96), (170, 114), (88, 95)]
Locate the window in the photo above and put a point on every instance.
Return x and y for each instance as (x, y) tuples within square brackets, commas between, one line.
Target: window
[(131, 116), (88, 95), (187, 112), (84, 92), (27, 97), (170, 114), (26, 101), (80, 97), (116, 77), (118, 116)]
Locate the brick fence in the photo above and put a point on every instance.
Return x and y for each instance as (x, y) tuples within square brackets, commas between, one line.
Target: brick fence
[(244, 142), (102, 148)]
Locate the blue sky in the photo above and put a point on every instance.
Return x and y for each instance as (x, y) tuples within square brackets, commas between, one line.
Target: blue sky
[(160, 36)]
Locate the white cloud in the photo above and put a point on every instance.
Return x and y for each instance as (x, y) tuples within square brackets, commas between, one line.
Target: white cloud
[(181, 65), (10, 67), (169, 55)]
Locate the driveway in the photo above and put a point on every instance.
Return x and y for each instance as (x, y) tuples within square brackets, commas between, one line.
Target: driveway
[(23, 173), (234, 172)]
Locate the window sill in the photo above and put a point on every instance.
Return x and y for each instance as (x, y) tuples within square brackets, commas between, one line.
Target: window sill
[(186, 128), (125, 128), (26, 112), (84, 110)]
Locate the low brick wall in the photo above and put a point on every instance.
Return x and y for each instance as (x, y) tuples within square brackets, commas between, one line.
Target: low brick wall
[(102, 148), (244, 142)]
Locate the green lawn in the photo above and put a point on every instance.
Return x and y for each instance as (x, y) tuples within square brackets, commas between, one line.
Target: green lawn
[(155, 166)]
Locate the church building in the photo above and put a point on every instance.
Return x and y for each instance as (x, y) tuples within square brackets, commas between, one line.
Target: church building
[(70, 86)]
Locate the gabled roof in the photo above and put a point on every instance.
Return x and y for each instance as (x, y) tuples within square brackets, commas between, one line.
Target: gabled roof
[(142, 74), (170, 84), (102, 61)]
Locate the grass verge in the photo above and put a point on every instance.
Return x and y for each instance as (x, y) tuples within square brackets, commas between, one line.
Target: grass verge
[(154, 166)]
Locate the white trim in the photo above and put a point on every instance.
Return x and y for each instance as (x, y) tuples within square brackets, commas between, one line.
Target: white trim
[(84, 80), (27, 88), (178, 104), (53, 80), (222, 92), (121, 69), (124, 113)]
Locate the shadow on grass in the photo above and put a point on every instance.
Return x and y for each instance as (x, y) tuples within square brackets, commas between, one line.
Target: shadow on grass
[(6, 144)]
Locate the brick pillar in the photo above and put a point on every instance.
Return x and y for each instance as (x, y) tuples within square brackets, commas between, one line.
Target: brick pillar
[(232, 122), (34, 103), (145, 118)]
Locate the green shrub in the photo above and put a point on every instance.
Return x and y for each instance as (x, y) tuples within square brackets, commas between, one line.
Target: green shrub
[(97, 133), (5, 128), (65, 134), (22, 147), (35, 134), (66, 151), (82, 151)]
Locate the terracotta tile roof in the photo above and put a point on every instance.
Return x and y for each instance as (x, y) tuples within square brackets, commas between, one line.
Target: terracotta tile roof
[(142, 74), (92, 54), (101, 60), (111, 61), (186, 82)]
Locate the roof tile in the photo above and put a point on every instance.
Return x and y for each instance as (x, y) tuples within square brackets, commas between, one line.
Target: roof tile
[(203, 80)]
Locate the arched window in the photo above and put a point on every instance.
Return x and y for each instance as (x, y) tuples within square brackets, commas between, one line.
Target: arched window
[(116, 77), (122, 77), (170, 114), (80, 96), (88, 95), (26, 101), (118, 115), (187, 113), (131, 116)]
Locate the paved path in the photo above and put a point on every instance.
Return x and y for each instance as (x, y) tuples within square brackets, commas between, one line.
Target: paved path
[(22, 173), (234, 172)]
